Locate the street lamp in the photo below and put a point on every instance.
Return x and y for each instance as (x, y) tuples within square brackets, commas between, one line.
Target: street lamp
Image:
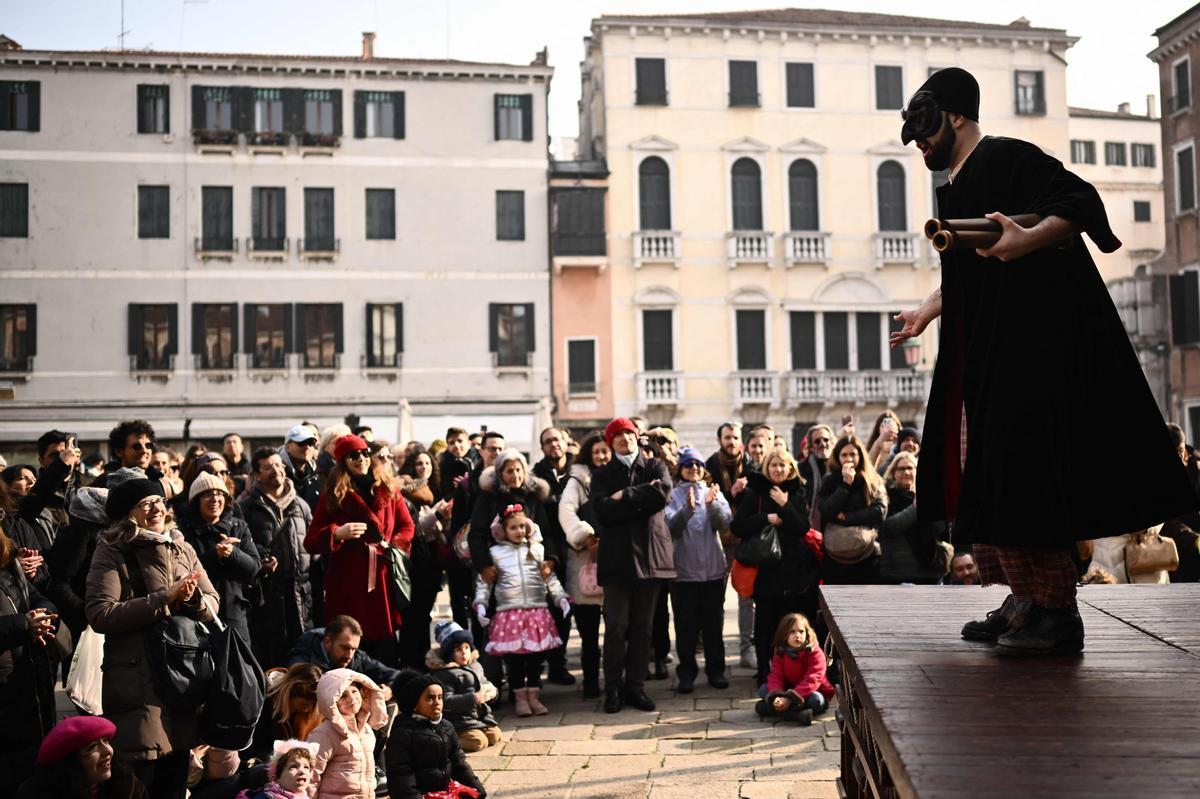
[(912, 353)]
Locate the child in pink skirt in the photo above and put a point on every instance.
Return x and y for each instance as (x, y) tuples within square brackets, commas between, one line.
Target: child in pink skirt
[(523, 630)]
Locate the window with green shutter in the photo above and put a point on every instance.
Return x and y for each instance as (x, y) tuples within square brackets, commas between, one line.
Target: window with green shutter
[(889, 88), (318, 221), (804, 339), (651, 76), (658, 340), (513, 117), (381, 214), (385, 334), (743, 84), (18, 337), (510, 216), (836, 326), (153, 108), (14, 210), (801, 92), (893, 203), (581, 367), (216, 218), (869, 340), (654, 194), (20, 105), (268, 227), (319, 333), (267, 335), (153, 336), (214, 334), (154, 212), (802, 195), (751, 339), (747, 195), (511, 334)]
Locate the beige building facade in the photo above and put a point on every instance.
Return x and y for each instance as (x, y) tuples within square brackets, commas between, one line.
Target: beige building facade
[(764, 217)]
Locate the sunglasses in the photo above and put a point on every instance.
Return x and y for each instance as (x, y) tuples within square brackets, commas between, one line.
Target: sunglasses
[(361, 453), (384, 455), (820, 441)]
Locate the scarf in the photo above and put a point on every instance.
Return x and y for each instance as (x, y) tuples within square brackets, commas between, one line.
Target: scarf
[(363, 484), (817, 466), (625, 459), (158, 538), (285, 500), (731, 469)]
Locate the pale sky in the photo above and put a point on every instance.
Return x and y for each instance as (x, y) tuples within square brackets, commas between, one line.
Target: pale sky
[(1108, 66)]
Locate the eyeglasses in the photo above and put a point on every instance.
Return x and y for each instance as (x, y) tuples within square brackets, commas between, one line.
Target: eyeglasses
[(360, 453), (384, 455), (220, 472), (148, 505), (820, 441)]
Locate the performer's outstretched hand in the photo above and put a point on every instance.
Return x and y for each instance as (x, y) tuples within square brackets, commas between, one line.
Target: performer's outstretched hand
[(915, 323)]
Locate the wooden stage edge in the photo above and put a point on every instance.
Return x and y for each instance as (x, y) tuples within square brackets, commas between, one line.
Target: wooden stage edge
[(927, 714)]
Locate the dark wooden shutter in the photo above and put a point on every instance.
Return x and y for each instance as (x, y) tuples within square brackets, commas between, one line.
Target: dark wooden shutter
[(136, 333), (493, 327), (374, 358), (804, 339), (233, 332), (751, 339), (743, 83), (1039, 99), (250, 328), (581, 365), (289, 330), (31, 329), (14, 210), (1185, 176), (510, 215), (896, 354), (398, 115), (837, 340), (34, 91), (166, 100), (527, 117), (889, 93), (293, 110), (142, 98), (800, 92), (654, 194), (747, 195), (7, 87), (335, 318), (318, 219), (360, 115), (530, 329), (893, 211), (802, 195), (1185, 308), (198, 309), (199, 109), (242, 116), (399, 326), (495, 121), (154, 212), (657, 341), (337, 112), (651, 81), (869, 342), (216, 217), (172, 330)]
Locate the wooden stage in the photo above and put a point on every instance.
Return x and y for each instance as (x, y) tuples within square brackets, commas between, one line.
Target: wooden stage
[(931, 715)]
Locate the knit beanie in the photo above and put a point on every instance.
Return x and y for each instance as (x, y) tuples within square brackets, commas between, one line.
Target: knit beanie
[(616, 426), (206, 482), (907, 433), (956, 91), (347, 444), (121, 499), (407, 688), (690, 455), (123, 475), (449, 635)]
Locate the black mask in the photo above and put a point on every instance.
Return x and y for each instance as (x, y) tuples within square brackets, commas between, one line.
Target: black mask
[(922, 118)]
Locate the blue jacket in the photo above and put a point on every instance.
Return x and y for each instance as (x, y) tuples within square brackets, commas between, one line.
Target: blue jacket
[(699, 556)]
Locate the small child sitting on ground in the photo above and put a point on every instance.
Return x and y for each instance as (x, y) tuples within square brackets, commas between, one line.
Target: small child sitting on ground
[(797, 686), (353, 708), (454, 663), (424, 758)]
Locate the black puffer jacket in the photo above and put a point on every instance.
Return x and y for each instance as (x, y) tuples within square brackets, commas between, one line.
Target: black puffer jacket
[(26, 677), (71, 556), (493, 497), (285, 596), (423, 757), (796, 572), (635, 543), (233, 577)]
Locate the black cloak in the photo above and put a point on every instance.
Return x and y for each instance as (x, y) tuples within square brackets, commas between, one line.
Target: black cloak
[(1035, 352)]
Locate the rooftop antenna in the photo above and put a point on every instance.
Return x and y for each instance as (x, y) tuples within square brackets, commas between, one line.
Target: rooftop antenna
[(122, 34)]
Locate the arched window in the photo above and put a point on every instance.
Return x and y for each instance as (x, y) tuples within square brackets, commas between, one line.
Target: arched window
[(893, 211), (802, 195), (654, 194), (747, 195)]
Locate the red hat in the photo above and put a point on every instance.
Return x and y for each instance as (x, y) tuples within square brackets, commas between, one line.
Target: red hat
[(71, 735), (618, 425), (345, 445)]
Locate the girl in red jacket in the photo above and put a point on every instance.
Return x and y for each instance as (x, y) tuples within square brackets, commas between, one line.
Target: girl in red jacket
[(797, 688)]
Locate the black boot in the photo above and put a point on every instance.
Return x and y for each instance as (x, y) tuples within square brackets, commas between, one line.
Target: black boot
[(560, 676), (659, 672), (1046, 631), (614, 699), (763, 710), (799, 715), (639, 700), (686, 685), (591, 688), (998, 622)]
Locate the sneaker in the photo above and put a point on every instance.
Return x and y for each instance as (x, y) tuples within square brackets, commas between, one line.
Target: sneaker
[(638, 699), (613, 699), (1046, 631), (997, 622), (560, 676), (749, 660)]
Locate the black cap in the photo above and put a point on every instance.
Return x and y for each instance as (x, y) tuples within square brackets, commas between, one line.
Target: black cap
[(956, 91), (407, 687), (122, 498)]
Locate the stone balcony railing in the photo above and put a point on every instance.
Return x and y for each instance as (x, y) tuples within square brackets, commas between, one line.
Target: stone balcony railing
[(802, 247), (750, 247), (897, 247), (656, 247), (659, 388), (856, 388), (755, 388)]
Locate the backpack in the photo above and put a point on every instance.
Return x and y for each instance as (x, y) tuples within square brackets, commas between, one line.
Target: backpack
[(178, 650), (238, 692)]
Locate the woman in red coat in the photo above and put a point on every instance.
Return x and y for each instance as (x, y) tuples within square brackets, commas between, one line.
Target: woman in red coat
[(361, 512)]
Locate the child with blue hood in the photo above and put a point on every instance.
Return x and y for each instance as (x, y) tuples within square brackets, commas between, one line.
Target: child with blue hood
[(454, 664)]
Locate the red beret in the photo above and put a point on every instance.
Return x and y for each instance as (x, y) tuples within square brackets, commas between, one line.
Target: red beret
[(345, 445), (618, 425), (71, 735)]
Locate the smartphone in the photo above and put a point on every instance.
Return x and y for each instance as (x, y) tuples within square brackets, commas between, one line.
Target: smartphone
[(889, 424), (847, 419)]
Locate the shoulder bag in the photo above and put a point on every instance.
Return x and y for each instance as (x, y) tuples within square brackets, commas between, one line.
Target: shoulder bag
[(1149, 552), (760, 549), (850, 544)]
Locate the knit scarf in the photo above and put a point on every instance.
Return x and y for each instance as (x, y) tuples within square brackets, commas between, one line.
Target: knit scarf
[(732, 468), (818, 471)]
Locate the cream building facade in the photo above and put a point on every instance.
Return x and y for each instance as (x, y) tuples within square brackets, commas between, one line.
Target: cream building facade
[(765, 219), (250, 240)]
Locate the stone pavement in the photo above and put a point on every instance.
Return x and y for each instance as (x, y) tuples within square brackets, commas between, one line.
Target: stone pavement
[(706, 745)]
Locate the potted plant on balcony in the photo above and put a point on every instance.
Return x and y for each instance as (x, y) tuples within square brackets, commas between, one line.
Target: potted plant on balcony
[(269, 138), (215, 136), (321, 140)]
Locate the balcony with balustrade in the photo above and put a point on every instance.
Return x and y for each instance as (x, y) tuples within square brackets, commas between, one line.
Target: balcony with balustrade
[(755, 388), (656, 389), (897, 247), (806, 248), (656, 247), (856, 388), (750, 247)]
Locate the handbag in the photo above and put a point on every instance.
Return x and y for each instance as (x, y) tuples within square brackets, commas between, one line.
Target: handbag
[(760, 549), (462, 547), (743, 578), (589, 584), (850, 545), (400, 584), (1149, 552), (85, 680)]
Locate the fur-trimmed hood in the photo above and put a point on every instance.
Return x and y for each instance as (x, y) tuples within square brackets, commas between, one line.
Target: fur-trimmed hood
[(583, 474), (535, 487), (433, 660), (373, 712)]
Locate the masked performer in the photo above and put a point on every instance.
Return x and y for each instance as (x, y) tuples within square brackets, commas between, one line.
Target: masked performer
[(1033, 360)]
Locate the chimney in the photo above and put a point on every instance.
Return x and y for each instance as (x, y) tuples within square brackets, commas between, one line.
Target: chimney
[(1151, 106), (368, 45), (1123, 108)]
